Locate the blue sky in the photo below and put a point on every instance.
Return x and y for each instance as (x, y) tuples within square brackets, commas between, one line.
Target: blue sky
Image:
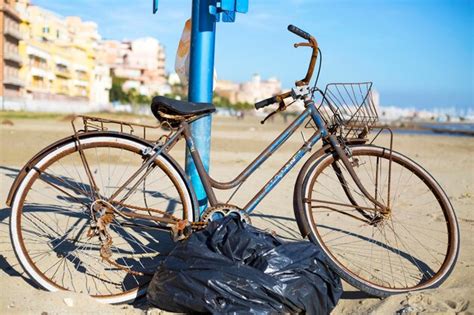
[(419, 53)]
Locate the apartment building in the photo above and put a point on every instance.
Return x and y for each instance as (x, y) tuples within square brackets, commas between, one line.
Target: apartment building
[(227, 89), (59, 57), (10, 60), (250, 91), (140, 62), (257, 89)]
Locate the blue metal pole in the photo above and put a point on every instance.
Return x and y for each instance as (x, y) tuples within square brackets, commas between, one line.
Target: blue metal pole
[(201, 79)]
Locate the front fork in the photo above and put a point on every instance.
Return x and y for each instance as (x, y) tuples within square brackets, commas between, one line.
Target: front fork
[(336, 145)]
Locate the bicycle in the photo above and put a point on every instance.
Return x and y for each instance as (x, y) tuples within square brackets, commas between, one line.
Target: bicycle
[(92, 212)]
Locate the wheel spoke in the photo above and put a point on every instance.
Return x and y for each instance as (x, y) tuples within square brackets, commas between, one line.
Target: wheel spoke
[(401, 250), (56, 214)]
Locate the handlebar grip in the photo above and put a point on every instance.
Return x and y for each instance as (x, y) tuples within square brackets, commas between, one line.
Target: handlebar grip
[(266, 102), (299, 32)]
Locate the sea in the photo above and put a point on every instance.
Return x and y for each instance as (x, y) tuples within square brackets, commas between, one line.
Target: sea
[(444, 129)]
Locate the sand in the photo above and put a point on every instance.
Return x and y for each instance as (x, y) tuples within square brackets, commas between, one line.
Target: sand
[(236, 143)]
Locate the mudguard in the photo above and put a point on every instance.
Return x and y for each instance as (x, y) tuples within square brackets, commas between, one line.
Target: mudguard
[(63, 141)]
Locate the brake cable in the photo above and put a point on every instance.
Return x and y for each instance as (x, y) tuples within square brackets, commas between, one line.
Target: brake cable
[(281, 107), (315, 85)]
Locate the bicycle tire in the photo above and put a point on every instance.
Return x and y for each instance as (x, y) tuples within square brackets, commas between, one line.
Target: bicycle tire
[(131, 247), (304, 201)]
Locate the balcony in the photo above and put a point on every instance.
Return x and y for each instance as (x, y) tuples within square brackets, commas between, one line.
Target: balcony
[(13, 81), (81, 83), (63, 73), (14, 33), (82, 74), (41, 73), (83, 78), (38, 53), (13, 57)]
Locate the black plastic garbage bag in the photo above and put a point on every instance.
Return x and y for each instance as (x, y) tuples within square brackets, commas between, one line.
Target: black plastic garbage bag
[(231, 267)]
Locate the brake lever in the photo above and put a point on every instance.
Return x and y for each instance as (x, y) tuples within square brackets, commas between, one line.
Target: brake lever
[(268, 116), (304, 44), (281, 107)]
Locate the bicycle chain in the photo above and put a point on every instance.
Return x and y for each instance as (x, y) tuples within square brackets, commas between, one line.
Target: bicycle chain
[(199, 225), (100, 230), (164, 213), (225, 210)]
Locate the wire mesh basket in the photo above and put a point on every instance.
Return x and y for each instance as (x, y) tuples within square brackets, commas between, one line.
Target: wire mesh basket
[(349, 108)]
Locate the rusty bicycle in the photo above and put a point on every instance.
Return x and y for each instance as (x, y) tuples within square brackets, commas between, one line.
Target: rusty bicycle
[(93, 212)]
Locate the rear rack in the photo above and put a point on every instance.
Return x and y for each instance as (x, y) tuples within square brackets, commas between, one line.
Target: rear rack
[(144, 131)]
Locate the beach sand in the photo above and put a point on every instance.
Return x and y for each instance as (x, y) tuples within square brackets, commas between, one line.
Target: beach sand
[(235, 143)]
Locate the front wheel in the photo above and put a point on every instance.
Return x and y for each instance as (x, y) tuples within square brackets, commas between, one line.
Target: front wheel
[(413, 247), (59, 214)]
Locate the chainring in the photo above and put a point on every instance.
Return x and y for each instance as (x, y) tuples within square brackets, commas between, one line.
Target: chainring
[(223, 210)]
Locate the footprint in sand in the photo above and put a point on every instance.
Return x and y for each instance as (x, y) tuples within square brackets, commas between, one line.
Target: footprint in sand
[(466, 220), (459, 306), (420, 302)]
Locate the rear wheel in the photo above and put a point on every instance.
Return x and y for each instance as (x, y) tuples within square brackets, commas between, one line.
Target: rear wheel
[(56, 209), (413, 247)]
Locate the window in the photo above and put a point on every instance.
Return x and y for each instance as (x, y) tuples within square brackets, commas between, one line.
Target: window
[(38, 62), (61, 68), (38, 82)]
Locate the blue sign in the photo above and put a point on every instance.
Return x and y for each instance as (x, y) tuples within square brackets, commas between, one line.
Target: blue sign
[(224, 10), (241, 6)]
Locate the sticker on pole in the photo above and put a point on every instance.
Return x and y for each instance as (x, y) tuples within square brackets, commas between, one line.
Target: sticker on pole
[(183, 53), (181, 65)]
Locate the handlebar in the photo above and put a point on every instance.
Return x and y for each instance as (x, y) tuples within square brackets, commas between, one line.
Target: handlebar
[(272, 100), (299, 32), (311, 43), (266, 102), (305, 81)]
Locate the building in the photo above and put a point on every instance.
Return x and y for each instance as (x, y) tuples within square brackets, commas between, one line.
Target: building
[(59, 57), (47, 65), (102, 83), (227, 89), (10, 60), (248, 92), (257, 89), (140, 62)]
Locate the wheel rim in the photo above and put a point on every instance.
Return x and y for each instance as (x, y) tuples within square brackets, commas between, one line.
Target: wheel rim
[(45, 216), (397, 254)]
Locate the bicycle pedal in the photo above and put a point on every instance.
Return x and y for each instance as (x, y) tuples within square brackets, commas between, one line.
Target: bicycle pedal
[(181, 231)]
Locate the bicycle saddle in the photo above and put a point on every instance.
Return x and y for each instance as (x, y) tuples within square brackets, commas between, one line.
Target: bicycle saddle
[(162, 105)]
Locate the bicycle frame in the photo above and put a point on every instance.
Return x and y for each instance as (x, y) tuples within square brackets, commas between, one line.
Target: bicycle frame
[(210, 184)]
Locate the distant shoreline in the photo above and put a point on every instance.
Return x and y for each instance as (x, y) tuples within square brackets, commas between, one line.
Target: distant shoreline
[(459, 129)]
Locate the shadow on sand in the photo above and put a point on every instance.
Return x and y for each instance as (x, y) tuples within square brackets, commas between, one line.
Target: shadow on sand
[(281, 223)]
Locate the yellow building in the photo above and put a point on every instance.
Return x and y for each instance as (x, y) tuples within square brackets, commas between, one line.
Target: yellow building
[(10, 61), (58, 55)]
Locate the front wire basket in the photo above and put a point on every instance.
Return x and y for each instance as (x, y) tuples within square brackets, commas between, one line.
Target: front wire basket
[(349, 109)]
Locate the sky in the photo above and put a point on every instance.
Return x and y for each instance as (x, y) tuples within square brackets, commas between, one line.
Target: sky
[(418, 53)]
